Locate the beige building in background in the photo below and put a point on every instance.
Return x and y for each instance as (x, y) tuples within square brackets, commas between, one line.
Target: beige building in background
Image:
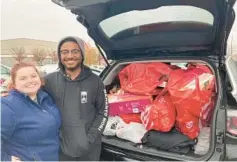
[(7, 56)]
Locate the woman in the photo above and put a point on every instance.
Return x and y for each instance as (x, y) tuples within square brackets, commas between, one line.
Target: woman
[(30, 120)]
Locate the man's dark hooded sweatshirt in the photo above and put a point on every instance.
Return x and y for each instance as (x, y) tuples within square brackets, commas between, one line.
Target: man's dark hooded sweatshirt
[(83, 105)]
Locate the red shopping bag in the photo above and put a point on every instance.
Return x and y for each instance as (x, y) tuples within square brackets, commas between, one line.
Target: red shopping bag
[(160, 115), (187, 123), (191, 92), (205, 68), (128, 118), (144, 78)]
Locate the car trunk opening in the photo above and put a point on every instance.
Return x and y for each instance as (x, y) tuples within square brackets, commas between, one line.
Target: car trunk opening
[(126, 110)]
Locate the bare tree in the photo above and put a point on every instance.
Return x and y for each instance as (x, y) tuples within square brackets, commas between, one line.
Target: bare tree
[(91, 55), (39, 55), (19, 54), (53, 56)]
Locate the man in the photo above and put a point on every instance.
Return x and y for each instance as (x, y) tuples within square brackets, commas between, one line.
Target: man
[(81, 98)]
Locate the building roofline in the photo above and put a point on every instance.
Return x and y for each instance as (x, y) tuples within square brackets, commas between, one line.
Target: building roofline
[(27, 39)]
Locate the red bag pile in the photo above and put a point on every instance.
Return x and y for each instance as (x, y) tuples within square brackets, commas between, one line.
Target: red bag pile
[(160, 115), (185, 98), (207, 111), (191, 92), (144, 78)]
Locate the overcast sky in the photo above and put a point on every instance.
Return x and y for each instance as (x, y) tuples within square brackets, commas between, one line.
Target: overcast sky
[(38, 19)]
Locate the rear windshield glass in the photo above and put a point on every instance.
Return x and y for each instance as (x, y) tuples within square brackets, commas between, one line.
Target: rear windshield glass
[(121, 22)]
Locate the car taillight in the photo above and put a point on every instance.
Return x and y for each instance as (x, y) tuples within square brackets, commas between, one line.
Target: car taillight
[(232, 123)]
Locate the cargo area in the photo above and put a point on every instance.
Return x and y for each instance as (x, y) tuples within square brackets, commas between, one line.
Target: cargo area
[(161, 109)]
